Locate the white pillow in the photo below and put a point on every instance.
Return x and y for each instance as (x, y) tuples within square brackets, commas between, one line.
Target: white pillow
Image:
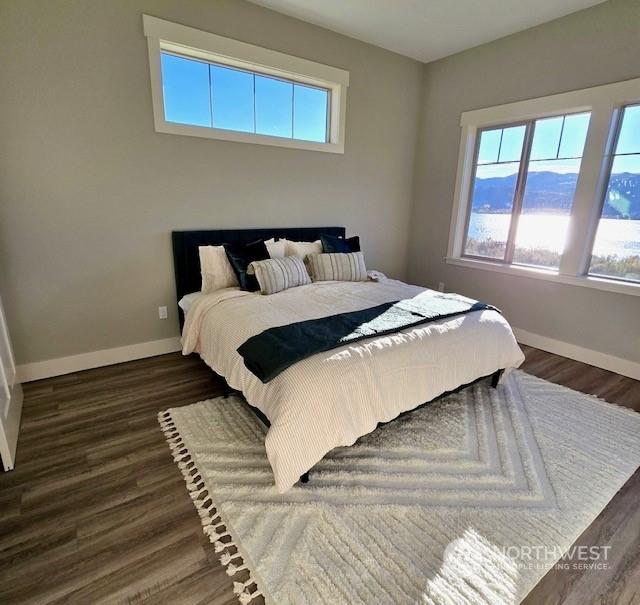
[(276, 249), (215, 269), (186, 302), (302, 249)]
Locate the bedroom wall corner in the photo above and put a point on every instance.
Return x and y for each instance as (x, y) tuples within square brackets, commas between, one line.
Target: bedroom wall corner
[(598, 45), (90, 192)]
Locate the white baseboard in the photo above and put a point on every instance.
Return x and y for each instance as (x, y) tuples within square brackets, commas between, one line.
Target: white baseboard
[(85, 361), (106, 357), (626, 367)]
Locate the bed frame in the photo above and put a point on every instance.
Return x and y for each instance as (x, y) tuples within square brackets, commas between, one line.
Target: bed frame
[(186, 264)]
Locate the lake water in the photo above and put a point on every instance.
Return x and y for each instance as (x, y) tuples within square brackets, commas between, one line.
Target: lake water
[(614, 237)]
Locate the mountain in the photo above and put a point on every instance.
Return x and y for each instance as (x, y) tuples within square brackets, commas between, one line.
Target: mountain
[(552, 193)]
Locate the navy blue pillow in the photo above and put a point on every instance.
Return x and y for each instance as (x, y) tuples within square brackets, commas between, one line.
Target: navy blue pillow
[(241, 256), (331, 243)]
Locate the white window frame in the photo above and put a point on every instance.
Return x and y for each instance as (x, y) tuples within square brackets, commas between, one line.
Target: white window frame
[(605, 104), (194, 43)]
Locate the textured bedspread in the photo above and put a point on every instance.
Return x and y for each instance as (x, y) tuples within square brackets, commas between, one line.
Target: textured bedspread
[(330, 399), (271, 352)]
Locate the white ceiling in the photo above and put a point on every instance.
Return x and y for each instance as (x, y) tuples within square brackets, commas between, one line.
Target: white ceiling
[(426, 29)]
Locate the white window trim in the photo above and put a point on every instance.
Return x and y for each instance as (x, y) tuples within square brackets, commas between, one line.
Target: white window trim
[(604, 103), (588, 281), (165, 35)]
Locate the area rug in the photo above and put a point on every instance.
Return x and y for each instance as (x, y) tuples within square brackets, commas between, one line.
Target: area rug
[(469, 499)]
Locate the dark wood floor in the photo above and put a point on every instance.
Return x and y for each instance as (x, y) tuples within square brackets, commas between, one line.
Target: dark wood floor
[(96, 511)]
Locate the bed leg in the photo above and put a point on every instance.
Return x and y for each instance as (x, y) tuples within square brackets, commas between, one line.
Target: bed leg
[(304, 478), (226, 389), (495, 378)]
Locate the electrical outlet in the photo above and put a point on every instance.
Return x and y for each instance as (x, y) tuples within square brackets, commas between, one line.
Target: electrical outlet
[(441, 286), (162, 312)]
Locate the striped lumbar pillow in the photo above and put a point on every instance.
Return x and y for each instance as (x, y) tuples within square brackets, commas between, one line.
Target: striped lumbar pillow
[(277, 274), (337, 267)]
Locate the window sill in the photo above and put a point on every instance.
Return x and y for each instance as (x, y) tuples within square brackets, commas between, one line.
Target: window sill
[(244, 137), (597, 283)]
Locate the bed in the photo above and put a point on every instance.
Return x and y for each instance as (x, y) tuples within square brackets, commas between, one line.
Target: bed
[(332, 398)]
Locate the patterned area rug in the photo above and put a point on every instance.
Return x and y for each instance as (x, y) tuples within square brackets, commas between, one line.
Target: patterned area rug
[(470, 499)]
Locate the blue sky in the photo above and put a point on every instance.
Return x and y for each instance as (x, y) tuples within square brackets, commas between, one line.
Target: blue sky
[(556, 141), (628, 143), (629, 139), (202, 94), (547, 145)]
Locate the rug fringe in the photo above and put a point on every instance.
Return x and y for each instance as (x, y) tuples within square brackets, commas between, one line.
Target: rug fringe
[(213, 525)]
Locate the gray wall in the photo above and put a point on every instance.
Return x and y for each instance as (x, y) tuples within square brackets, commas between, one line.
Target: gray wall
[(595, 46), (89, 192)]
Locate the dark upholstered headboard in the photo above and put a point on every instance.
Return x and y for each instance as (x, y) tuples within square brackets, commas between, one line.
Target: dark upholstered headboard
[(186, 262)]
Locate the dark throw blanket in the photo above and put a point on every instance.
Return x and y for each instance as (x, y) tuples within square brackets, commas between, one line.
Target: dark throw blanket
[(274, 350)]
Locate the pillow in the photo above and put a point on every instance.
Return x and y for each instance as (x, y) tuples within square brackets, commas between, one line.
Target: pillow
[(241, 256), (277, 249), (215, 269), (277, 274), (337, 267), (301, 249), (331, 243)]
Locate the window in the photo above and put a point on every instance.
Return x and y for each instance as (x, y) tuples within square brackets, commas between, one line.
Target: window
[(494, 189), (525, 180), (213, 87), (214, 96), (616, 249), (550, 188)]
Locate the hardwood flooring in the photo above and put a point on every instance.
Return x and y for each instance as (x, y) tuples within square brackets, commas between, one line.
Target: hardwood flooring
[(97, 512)]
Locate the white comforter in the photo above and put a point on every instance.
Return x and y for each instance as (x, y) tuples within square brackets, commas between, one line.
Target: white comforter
[(331, 399)]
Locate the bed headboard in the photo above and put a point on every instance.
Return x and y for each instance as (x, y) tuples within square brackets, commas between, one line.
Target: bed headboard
[(186, 262)]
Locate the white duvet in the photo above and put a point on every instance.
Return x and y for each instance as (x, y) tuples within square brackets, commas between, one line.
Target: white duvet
[(331, 399)]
